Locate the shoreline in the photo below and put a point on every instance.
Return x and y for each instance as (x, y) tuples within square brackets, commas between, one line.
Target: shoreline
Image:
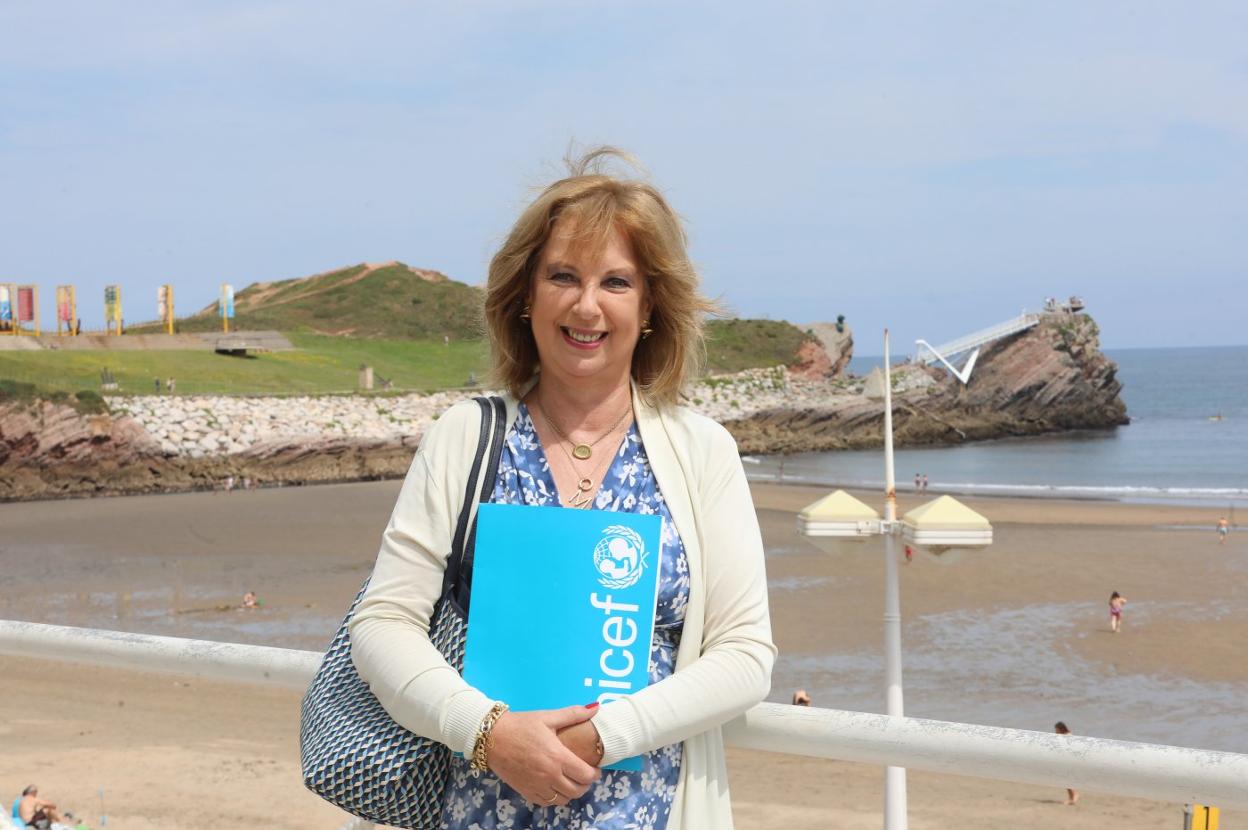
[(1007, 509), (1037, 493), (392, 462)]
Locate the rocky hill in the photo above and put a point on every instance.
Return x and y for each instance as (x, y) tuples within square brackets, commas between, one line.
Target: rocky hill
[(837, 341), (1047, 379), (385, 300), (734, 345), (1050, 378)]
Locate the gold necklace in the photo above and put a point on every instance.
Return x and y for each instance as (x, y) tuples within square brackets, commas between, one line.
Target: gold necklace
[(585, 490), (583, 498), (581, 451)]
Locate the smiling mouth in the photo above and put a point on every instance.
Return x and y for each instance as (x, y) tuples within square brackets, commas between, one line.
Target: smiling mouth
[(583, 338)]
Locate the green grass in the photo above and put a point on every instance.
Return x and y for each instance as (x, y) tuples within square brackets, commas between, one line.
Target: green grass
[(320, 365), (85, 401), (323, 364), (395, 320), (736, 345), (389, 304)]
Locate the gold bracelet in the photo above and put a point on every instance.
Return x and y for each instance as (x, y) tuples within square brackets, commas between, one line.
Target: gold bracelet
[(485, 739)]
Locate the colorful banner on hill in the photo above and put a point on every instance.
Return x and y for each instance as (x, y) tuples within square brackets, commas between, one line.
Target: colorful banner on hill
[(65, 303), (26, 304), (227, 300), (562, 606), (6, 304), (112, 304)]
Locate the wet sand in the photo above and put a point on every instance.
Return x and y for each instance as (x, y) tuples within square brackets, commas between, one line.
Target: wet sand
[(1015, 635)]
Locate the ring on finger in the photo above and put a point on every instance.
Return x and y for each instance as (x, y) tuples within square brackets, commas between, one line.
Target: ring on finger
[(554, 796)]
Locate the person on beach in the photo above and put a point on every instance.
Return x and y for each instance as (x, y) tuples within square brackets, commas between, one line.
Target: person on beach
[(34, 811), (595, 322), (918, 483), (924, 487), (1116, 601), (1071, 795), (1224, 527)]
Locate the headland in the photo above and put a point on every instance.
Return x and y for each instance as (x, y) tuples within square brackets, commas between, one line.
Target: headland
[(777, 387)]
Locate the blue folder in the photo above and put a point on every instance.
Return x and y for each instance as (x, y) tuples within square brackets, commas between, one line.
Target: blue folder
[(563, 605)]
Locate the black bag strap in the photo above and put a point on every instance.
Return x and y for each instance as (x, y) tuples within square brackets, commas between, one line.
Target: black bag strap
[(489, 450), (464, 589)]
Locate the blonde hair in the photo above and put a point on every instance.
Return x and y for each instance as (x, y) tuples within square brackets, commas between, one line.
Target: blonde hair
[(598, 205)]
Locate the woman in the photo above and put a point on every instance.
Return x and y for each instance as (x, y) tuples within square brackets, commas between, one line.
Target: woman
[(595, 322)]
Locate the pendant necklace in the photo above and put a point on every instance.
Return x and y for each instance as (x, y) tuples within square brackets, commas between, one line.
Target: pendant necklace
[(583, 498), (581, 451)]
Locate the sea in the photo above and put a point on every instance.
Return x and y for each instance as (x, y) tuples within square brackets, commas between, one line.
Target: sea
[(1187, 443), (1012, 665)]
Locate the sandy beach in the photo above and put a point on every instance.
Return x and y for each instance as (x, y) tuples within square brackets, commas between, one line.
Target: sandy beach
[(1016, 635)]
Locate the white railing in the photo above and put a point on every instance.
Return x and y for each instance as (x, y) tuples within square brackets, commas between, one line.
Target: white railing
[(979, 338), (1161, 773)]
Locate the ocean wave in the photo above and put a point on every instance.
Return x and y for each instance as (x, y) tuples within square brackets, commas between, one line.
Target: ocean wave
[(1109, 490)]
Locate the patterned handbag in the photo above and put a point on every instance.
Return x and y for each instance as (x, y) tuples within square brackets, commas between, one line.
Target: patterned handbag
[(352, 752)]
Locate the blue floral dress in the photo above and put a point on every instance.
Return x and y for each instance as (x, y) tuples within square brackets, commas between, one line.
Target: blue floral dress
[(619, 799)]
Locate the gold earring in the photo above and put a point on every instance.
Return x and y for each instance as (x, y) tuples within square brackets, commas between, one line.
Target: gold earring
[(526, 314), (646, 331)]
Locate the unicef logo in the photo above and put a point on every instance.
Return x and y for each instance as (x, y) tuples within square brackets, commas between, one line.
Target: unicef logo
[(619, 557)]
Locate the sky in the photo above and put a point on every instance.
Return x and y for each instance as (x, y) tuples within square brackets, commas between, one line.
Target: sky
[(933, 168)]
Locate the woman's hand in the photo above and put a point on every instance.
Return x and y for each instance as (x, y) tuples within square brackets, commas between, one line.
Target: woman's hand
[(530, 758), (582, 738)]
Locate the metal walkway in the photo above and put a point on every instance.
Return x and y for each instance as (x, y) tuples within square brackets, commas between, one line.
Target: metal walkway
[(977, 339)]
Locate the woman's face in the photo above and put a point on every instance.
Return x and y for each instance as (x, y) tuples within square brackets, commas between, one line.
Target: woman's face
[(587, 309)]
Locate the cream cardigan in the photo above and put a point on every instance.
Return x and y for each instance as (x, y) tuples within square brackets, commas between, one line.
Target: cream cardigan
[(723, 665)]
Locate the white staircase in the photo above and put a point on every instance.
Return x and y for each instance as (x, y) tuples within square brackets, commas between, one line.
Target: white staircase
[(977, 339), (971, 343)]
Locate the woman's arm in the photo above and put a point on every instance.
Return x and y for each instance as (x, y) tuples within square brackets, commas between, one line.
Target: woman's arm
[(390, 633), (734, 670)]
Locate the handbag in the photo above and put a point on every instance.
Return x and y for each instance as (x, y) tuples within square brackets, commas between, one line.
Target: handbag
[(351, 751)]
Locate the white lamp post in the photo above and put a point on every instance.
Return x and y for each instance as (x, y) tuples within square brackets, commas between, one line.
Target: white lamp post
[(939, 525)]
